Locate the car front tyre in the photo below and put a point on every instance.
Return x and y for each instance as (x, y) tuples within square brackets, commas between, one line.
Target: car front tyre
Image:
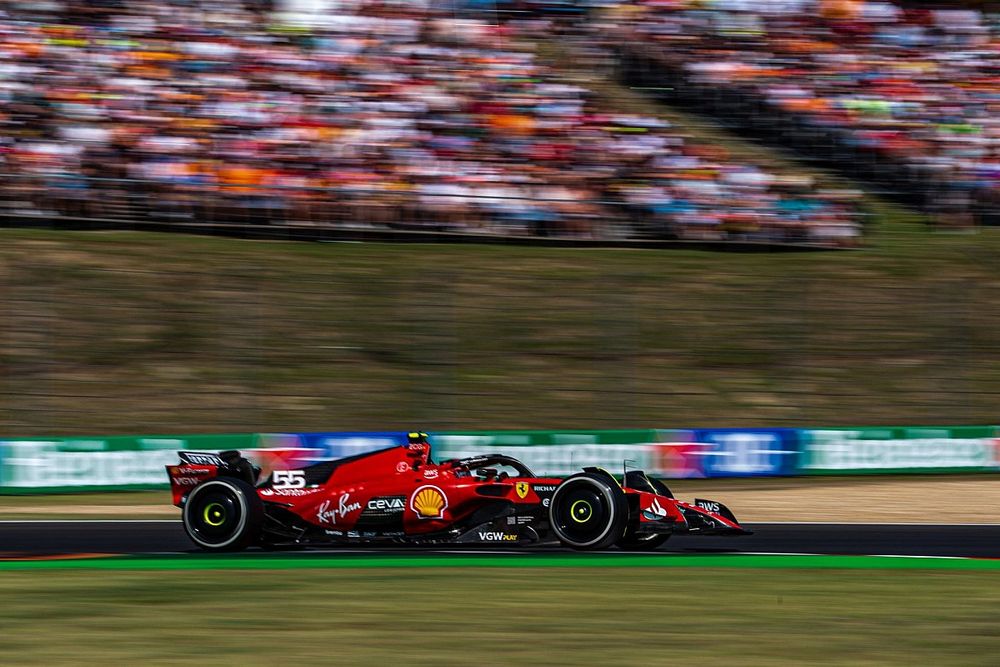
[(588, 511)]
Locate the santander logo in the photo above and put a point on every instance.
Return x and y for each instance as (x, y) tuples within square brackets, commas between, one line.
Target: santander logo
[(656, 509)]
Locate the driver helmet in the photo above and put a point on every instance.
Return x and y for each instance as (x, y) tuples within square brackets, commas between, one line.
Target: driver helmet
[(416, 438)]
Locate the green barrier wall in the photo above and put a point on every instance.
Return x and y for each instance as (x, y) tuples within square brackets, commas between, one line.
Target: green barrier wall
[(840, 451)]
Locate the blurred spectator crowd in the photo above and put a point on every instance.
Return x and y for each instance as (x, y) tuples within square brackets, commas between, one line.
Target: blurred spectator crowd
[(383, 115), (909, 98)]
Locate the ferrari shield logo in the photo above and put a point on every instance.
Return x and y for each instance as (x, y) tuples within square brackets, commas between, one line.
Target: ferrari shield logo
[(522, 489)]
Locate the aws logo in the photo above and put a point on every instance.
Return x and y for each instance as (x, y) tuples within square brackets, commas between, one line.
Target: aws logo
[(429, 502)]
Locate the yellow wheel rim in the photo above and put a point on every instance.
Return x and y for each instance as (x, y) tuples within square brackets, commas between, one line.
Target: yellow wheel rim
[(580, 511), (214, 515)]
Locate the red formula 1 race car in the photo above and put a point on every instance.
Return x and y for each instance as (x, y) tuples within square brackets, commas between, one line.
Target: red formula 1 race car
[(398, 496)]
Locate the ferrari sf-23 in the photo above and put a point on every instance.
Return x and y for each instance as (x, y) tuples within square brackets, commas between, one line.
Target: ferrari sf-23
[(399, 496)]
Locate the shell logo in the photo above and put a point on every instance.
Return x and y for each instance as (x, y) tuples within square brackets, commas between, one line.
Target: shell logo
[(429, 502)]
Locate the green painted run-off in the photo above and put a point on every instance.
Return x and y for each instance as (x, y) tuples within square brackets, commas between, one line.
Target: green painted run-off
[(325, 561)]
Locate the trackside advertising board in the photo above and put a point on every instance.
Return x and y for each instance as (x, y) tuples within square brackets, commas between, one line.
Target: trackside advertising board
[(747, 452), (42, 465), (52, 465), (335, 445), (898, 450), (664, 453)]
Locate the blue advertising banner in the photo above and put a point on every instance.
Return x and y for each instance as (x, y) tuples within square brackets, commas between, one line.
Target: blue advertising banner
[(339, 445), (747, 452), (288, 451)]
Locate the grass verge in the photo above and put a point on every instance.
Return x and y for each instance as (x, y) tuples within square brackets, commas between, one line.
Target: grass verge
[(499, 617)]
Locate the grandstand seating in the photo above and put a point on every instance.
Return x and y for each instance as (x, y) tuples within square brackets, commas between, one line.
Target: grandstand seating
[(905, 98), (388, 115)]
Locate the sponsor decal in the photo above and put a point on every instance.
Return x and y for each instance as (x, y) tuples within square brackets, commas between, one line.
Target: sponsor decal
[(546, 501), (285, 493), (335, 533), (655, 511), (544, 488), (289, 479), (429, 502), (387, 504), (522, 489), (186, 481), (430, 473), (519, 520), (496, 536), (326, 513), (402, 466), (708, 505)]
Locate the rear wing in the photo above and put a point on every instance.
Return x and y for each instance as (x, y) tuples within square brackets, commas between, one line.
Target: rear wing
[(197, 467), (201, 458), (194, 468)]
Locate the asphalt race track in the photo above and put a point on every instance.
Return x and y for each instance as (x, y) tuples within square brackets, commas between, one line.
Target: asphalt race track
[(19, 538)]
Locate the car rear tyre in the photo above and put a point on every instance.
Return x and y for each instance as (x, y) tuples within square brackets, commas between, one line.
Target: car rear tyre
[(588, 511), (223, 514)]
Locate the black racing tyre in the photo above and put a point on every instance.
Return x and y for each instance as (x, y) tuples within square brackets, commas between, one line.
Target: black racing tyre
[(223, 514), (588, 511), (647, 542)]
